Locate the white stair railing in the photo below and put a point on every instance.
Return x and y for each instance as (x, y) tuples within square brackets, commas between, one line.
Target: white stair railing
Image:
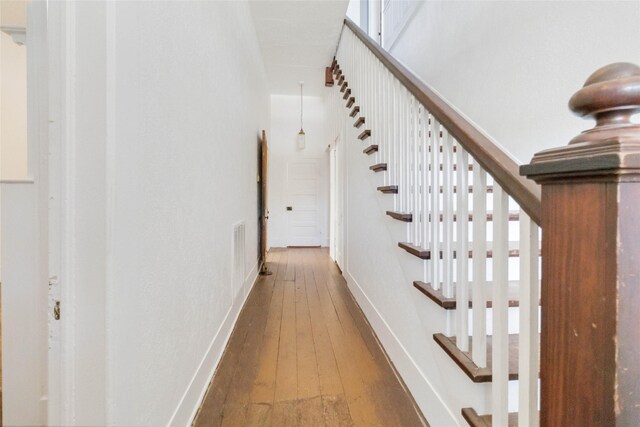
[(461, 226)]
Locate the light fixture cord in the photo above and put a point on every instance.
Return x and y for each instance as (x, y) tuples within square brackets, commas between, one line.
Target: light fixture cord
[(300, 106)]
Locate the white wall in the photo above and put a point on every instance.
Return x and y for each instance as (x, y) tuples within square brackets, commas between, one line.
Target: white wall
[(189, 106), (13, 95), (285, 125), (160, 160), (353, 11), (511, 67)]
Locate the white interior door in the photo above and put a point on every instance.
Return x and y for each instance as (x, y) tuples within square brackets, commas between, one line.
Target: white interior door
[(303, 208)]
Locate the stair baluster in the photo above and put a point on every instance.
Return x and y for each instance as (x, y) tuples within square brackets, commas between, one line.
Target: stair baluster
[(528, 359), (500, 307), (462, 252), (479, 260)]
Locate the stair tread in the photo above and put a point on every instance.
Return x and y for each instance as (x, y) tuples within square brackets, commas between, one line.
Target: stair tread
[(455, 189), (455, 167), (347, 94), (436, 295), (455, 149), (400, 216), (355, 111), (379, 167), (513, 250), (359, 122), (342, 83), (475, 420), (388, 189), (350, 102), (370, 149), (513, 216), (464, 361), (365, 134)]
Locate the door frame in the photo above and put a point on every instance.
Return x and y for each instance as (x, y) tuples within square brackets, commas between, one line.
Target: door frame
[(75, 227)]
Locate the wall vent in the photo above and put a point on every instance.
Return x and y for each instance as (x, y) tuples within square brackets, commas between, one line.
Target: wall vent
[(238, 261)]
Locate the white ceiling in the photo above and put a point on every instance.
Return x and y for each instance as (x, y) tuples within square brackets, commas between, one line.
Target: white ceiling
[(13, 13), (298, 39)]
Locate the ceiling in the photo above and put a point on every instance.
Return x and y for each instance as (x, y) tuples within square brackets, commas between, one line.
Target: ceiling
[(298, 39), (13, 13)]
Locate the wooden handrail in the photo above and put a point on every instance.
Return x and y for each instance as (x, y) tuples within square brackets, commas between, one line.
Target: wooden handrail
[(492, 158)]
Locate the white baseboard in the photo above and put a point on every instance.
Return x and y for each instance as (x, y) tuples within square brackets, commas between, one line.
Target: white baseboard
[(427, 398), (188, 407)]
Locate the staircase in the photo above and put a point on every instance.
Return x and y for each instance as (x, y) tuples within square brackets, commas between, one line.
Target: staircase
[(471, 221), (552, 346)]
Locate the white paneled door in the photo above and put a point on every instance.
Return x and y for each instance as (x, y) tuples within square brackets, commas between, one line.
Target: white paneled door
[(303, 206)]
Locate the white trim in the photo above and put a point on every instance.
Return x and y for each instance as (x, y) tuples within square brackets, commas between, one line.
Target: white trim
[(18, 34), (428, 399), (194, 394), (67, 178), (18, 181)]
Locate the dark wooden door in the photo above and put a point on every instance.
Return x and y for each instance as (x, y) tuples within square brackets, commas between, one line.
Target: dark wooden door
[(264, 209)]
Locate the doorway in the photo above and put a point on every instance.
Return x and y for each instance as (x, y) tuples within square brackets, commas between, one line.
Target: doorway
[(13, 143), (304, 208), (24, 212)]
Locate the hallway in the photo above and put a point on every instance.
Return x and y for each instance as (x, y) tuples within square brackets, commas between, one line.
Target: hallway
[(302, 353)]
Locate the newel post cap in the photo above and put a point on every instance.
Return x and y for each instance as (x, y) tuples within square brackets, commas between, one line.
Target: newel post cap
[(611, 96)]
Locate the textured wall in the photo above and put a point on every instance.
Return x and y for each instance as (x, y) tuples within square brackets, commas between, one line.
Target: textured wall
[(190, 101)]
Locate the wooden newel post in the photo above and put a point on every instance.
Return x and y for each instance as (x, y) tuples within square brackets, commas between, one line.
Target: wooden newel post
[(590, 338)]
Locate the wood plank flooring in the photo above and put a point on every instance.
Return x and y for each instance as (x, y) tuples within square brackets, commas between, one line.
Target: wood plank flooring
[(0, 354), (303, 354)]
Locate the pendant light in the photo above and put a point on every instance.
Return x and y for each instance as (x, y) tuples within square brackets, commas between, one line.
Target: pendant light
[(301, 135)]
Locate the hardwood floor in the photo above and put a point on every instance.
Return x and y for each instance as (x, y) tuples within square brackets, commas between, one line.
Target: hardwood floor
[(0, 354), (303, 354)]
